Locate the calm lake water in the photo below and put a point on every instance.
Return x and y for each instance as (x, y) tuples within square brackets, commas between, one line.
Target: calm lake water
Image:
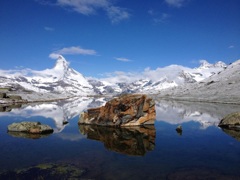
[(202, 151)]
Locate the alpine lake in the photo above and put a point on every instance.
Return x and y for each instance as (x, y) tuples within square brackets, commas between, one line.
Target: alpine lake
[(201, 151)]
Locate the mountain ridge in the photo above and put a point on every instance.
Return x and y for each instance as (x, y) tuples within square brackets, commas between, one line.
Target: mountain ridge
[(172, 80), (222, 87)]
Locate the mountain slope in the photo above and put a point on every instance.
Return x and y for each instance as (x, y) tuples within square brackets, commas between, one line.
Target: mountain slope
[(60, 79), (154, 81), (209, 82), (221, 87)]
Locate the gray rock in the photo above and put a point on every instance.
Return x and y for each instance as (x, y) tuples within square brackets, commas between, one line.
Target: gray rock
[(30, 127), (231, 121)]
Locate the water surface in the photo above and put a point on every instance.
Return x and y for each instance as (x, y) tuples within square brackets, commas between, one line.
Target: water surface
[(90, 152)]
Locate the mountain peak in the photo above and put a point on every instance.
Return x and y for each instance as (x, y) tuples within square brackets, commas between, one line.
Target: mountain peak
[(220, 64), (61, 63), (205, 64)]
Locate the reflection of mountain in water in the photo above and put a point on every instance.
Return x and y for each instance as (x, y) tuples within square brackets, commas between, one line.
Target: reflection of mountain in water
[(207, 114), (131, 141), (173, 112), (60, 111)]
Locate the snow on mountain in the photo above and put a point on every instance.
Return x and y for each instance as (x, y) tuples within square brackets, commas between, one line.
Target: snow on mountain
[(154, 81), (180, 112), (60, 79), (220, 87)]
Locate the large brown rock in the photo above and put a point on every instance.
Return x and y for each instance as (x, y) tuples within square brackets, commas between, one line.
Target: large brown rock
[(126, 110)]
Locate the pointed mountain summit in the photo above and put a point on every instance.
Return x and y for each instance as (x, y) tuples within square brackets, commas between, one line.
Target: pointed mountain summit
[(61, 64), (60, 79)]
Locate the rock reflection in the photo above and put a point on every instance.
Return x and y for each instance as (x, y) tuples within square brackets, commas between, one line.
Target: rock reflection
[(135, 141), (9, 107), (232, 132), (27, 135)]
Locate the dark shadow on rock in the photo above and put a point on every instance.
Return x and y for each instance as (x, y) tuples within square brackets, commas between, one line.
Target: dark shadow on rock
[(135, 141), (235, 133), (27, 135)]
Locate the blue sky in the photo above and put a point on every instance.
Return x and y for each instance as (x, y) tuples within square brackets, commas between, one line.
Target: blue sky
[(102, 36)]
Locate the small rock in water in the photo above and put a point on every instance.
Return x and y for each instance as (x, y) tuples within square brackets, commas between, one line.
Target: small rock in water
[(179, 130), (30, 127)]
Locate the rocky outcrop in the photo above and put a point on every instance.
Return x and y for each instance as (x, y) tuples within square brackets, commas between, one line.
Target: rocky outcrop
[(231, 121), (134, 141), (30, 127), (6, 98), (126, 110)]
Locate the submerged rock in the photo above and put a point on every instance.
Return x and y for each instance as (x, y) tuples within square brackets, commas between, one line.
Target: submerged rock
[(231, 121), (30, 127), (126, 110), (45, 171)]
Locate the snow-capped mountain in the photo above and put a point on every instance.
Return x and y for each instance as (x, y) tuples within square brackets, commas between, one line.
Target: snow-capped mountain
[(60, 79), (153, 81), (221, 87)]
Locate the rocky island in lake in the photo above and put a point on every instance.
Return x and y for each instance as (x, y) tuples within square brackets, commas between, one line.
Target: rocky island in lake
[(126, 110)]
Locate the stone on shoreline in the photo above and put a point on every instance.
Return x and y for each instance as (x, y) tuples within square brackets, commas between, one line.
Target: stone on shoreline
[(126, 110), (30, 127)]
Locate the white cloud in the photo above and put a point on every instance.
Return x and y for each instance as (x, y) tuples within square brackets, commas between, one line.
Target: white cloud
[(175, 3), (72, 50), (90, 7), (86, 7), (54, 55), (48, 28), (231, 47), (168, 72), (123, 59), (117, 14)]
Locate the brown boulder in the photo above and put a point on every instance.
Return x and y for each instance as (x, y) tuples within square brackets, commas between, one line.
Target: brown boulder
[(126, 110)]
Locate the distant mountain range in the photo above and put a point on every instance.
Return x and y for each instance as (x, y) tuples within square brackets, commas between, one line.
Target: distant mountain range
[(222, 87), (62, 79)]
